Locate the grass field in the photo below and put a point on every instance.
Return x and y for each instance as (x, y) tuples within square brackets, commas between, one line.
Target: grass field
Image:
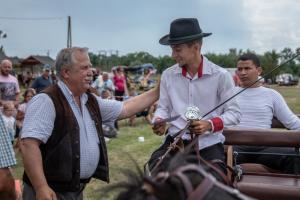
[(126, 145)]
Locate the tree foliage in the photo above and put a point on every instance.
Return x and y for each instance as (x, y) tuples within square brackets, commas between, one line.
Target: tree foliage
[(269, 60)]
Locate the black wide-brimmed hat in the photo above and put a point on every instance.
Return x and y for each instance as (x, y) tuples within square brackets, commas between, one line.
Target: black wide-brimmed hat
[(183, 30)]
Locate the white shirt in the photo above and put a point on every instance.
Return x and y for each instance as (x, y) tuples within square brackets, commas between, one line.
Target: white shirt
[(177, 92), (259, 105)]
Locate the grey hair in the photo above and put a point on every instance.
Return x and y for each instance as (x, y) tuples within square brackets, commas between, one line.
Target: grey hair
[(66, 58)]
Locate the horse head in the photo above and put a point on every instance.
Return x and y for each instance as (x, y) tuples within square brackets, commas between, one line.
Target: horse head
[(184, 179)]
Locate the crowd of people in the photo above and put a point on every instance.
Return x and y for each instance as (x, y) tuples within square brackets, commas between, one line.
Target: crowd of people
[(59, 123)]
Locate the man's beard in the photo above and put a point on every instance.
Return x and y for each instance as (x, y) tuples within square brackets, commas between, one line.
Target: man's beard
[(4, 73)]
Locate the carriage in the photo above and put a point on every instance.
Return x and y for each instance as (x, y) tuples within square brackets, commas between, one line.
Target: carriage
[(184, 180), (257, 180)]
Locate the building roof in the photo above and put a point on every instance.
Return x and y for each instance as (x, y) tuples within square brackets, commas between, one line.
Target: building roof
[(34, 60)]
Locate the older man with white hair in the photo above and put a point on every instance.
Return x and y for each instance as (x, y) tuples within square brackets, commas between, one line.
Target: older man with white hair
[(62, 143)]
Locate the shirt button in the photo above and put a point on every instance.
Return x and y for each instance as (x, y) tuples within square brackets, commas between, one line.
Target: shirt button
[(77, 170), (77, 156), (76, 142)]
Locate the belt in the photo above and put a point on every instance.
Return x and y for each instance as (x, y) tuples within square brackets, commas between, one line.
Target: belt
[(87, 180)]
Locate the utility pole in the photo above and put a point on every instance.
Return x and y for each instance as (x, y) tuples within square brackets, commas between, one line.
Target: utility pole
[(69, 42), (2, 35)]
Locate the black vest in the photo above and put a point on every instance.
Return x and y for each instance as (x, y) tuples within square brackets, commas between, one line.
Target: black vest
[(61, 153)]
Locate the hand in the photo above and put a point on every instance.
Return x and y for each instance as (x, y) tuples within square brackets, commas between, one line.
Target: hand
[(200, 126), (45, 193), (159, 128)]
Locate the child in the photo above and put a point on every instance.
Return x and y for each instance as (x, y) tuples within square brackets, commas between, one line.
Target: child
[(28, 94), (9, 120)]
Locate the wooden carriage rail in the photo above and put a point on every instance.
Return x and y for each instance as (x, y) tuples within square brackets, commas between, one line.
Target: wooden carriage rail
[(258, 181), (259, 137)]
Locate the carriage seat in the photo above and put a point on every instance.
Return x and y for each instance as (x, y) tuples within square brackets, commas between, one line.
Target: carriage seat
[(257, 180), (270, 187)]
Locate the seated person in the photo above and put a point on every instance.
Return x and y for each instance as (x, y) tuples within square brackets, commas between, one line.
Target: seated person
[(258, 106), (106, 94)]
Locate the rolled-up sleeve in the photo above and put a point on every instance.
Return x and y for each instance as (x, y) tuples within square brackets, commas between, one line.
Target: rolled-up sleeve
[(39, 118), (110, 110), (231, 113), (164, 102)]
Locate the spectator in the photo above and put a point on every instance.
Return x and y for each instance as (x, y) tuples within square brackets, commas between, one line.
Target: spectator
[(97, 81), (27, 79), (42, 81), (119, 80), (28, 94), (9, 86), (7, 160), (9, 119), (106, 94), (104, 84), (120, 84), (145, 81), (53, 76)]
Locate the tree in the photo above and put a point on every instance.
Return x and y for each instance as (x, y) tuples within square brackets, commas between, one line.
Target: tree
[(269, 61), (290, 67)]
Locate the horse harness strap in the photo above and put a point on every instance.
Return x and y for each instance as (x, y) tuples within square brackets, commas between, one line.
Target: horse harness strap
[(185, 180), (210, 163), (200, 192)]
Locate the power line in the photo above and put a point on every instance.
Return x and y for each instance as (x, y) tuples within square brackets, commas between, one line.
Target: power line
[(32, 18)]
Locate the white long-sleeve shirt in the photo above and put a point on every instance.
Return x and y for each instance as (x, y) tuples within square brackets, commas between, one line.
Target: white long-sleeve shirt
[(259, 105), (212, 86)]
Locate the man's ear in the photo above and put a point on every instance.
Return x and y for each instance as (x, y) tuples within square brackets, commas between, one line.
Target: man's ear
[(259, 69), (65, 73)]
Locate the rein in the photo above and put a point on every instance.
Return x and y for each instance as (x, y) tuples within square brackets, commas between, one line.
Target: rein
[(194, 143), (192, 194)]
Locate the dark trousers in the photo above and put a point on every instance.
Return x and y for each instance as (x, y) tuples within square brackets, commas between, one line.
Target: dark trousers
[(29, 193), (214, 152), (119, 97), (282, 163)]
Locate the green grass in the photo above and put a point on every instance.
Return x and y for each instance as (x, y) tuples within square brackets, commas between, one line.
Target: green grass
[(127, 144)]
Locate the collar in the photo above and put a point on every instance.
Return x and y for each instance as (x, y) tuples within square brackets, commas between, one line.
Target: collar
[(200, 69), (68, 93), (207, 67)]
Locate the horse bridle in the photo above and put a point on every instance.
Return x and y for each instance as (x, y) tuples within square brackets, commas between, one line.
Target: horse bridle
[(192, 194)]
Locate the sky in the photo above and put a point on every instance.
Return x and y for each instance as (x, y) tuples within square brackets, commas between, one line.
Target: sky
[(38, 27)]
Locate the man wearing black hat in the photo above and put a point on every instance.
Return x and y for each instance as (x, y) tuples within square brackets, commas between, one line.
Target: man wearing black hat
[(194, 81)]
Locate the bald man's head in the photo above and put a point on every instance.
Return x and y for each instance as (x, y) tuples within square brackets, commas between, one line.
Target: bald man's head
[(6, 67)]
